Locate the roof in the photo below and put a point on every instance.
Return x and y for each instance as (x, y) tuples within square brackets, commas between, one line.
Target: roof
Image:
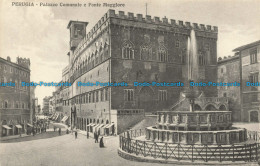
[(71, 21), (247, 46)]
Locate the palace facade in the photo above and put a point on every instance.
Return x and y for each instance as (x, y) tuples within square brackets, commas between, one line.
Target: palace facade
[(126, 48)]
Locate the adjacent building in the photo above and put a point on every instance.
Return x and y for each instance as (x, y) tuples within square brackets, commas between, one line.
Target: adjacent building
[(15, 103), (249, 55), (229, 72)]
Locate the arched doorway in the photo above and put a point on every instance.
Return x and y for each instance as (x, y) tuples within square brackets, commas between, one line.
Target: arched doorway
[(210, 107), (253, 116), (222, 108), (197, 107), (146, 100)]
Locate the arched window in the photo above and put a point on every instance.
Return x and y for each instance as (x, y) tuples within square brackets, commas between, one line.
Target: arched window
[(128, 51), (6, 104), (202, 59), (23, 105), (162, 54), (16, 105), (146, 52)]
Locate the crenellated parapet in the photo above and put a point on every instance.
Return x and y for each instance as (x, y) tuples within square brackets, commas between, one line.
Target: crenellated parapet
[(164, 21), (144, 22), (25, 62)]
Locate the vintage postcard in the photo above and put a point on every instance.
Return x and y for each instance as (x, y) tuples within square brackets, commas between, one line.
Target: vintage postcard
[(129, 82)]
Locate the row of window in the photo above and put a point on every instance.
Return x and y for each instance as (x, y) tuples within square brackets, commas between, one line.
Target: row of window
[(17, 83), (13, 70), (146, 53), (16, 104), (92, 60), (91, 97)]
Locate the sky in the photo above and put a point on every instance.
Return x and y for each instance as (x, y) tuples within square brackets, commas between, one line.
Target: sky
[(41, 34)]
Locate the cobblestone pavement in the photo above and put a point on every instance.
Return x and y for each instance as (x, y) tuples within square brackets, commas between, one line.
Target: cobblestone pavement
[(49, 149)]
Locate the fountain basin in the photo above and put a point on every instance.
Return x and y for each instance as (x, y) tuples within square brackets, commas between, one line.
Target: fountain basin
[(197, 120), (224, 137)]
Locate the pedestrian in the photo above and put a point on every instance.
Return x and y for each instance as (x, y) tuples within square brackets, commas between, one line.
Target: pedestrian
[(87, 135), (76, 134), (59, 131), (101, 143), (67, 131), (97, 137), (54, 128)]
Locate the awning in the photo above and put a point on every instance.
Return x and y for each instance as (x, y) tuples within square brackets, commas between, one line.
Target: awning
[(92, 124), (109, 126), (64, 118), (60, 125), (18, 126), (7, 127), (101, 125), (57, 117), (29, 125)]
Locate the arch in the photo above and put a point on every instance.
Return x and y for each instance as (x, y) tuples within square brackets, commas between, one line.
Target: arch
[(253, 116), (102, 121), (146, 52), (146, 98), (210, 107), (97, 121), (197, 107), (5, 104), (107, 122), (222, 108), (162, 54), (128, 50)]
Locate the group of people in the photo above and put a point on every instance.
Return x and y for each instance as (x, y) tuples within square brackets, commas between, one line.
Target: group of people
[(96, 136)]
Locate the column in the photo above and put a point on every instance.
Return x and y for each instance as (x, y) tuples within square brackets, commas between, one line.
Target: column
[(214, 138), (228, 138), (200, 140), (237, 136)]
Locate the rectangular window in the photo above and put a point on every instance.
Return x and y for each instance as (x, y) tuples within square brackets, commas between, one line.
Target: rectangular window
[(128, 94), (253, 78), (253, 57), (177, 44), (162, 95)]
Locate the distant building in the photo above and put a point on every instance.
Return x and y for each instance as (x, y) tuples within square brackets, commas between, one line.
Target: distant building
[(45, 109), (34, 102), (229, 72), (15, 103), (249, 55)]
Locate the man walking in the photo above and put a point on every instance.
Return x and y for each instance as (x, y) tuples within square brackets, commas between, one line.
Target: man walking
[(87, 135), (59, 131), (76, 134), (95, 137)]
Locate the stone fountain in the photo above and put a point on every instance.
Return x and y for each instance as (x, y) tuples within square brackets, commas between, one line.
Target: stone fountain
[(190, 135)]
